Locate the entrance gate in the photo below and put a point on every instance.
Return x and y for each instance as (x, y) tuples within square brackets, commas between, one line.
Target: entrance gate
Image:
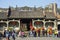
[(25, 24), (59, 27)]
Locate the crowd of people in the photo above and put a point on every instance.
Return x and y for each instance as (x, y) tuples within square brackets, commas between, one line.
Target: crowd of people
[(8, 34), (39, 32)]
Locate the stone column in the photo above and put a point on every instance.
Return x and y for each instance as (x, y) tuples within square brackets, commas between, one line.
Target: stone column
[(32, 22), (55, 24), (19, 24), (7, 24), (44, 24)]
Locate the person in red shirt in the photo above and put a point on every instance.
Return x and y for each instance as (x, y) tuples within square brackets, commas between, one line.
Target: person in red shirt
[(43, 31)]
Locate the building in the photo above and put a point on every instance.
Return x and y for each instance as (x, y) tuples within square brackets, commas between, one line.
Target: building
[(24, 17)]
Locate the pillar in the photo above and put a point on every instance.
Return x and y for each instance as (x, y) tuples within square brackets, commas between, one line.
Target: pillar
[(7, 24), (55, 24), (44, 24), (32, 22), (19, 24)]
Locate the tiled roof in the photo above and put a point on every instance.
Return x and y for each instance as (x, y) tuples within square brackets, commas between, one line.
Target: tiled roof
[(26, 14), (14, 14), (3, 15), (50, 15), (31, 15)]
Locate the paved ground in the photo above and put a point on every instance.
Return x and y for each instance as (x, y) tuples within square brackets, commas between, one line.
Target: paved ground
[(36, 38)]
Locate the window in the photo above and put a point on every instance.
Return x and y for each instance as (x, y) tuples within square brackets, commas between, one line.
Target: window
[(49, 24), (38, 24), (13, 24)]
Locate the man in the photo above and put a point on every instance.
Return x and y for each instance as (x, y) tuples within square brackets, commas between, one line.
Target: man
[(7, 35), (1, 36)]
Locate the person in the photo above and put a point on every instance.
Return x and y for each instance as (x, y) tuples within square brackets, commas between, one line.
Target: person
[(30, 33), (4, 33), (49, 31), (43, 31), (46, 32), (34, 32), (38, 33), (55, 32), (19, 34), (7, 35), (0, 36), (22, 34), (13, 35)]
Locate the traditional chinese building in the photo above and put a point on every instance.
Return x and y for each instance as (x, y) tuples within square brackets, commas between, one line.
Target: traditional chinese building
[(24, 17)]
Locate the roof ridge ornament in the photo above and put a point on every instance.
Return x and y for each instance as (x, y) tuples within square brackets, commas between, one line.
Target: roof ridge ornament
[(9, 11), (34, 7)]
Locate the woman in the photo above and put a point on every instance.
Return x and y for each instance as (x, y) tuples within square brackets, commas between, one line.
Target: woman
[(19, 34), (56, 32), (23, 34), (13, 35)]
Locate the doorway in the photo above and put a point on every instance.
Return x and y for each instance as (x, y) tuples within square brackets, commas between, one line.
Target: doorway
[(59, 27), (25, 24)]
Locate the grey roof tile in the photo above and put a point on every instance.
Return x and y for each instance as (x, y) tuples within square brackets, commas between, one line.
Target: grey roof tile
[(50, 15), (26, 14), (3, 15)]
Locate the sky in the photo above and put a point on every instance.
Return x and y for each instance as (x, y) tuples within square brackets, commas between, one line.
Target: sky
[(30, 3)]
